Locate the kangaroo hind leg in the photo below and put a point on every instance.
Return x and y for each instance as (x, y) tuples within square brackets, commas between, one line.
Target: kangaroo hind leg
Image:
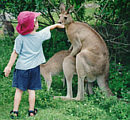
[(103, 85)]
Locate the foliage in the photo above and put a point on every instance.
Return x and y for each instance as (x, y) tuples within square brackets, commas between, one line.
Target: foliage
[(119, 78), (113, 24), (111, 105), (48, 8), (114, 11)]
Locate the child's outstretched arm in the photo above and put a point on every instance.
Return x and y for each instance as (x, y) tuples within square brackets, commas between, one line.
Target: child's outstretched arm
[(7, 69), (56, 26)]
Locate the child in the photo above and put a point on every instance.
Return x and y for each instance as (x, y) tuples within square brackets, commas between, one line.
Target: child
[(28, 45)]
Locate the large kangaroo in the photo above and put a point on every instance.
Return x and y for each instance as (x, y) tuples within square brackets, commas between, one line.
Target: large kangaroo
[(92, 57)]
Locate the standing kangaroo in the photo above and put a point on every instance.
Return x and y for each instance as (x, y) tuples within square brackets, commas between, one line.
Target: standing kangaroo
[(92, 56)]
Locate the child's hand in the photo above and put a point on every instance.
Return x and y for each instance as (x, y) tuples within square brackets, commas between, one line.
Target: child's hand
[(7, 71), (60, 26), (56, 26)]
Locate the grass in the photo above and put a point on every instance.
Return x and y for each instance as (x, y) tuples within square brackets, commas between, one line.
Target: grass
[(94, 107)]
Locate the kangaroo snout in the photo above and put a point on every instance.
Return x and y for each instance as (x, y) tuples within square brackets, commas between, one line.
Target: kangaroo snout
[(59, 22)]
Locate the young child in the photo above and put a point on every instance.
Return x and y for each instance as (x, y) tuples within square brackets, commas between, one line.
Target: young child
[(28, 46)]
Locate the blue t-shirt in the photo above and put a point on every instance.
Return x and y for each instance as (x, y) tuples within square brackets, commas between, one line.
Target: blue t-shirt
[(29, 48)]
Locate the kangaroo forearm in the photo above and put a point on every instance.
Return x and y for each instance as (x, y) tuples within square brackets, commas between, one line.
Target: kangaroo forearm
[(76, 47), (75, 51), (71, 47)]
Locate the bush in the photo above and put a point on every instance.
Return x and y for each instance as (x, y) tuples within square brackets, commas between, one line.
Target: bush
[(118, 80), (113, 25), (119, 110)]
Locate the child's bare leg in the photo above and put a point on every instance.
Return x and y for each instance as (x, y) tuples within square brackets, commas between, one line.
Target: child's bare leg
[(31, 101), (17, 99)]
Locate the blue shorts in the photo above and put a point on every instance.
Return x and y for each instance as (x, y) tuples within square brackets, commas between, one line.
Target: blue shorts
[(27, 79)]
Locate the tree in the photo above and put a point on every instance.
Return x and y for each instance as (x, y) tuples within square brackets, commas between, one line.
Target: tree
[(48, 8), (113, 18)]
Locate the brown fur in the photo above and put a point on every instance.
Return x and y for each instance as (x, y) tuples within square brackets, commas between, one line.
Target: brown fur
[(92, 56), (55, 65)]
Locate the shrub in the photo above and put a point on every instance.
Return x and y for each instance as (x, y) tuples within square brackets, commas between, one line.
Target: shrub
[(118, 80)]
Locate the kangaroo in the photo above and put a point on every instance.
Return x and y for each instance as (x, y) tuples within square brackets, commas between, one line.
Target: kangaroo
[(92, 56), (55, 65)]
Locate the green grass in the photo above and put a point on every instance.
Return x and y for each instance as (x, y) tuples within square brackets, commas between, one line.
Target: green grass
[(94, 107)]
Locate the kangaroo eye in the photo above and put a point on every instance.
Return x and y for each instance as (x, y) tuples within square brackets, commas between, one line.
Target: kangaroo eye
[(65, 18)]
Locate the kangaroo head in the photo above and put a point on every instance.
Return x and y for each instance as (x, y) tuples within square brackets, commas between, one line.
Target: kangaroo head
[(64, 17)]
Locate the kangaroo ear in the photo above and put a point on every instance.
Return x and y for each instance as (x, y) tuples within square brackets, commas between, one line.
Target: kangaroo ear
[(71, 9), (62, 7)]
